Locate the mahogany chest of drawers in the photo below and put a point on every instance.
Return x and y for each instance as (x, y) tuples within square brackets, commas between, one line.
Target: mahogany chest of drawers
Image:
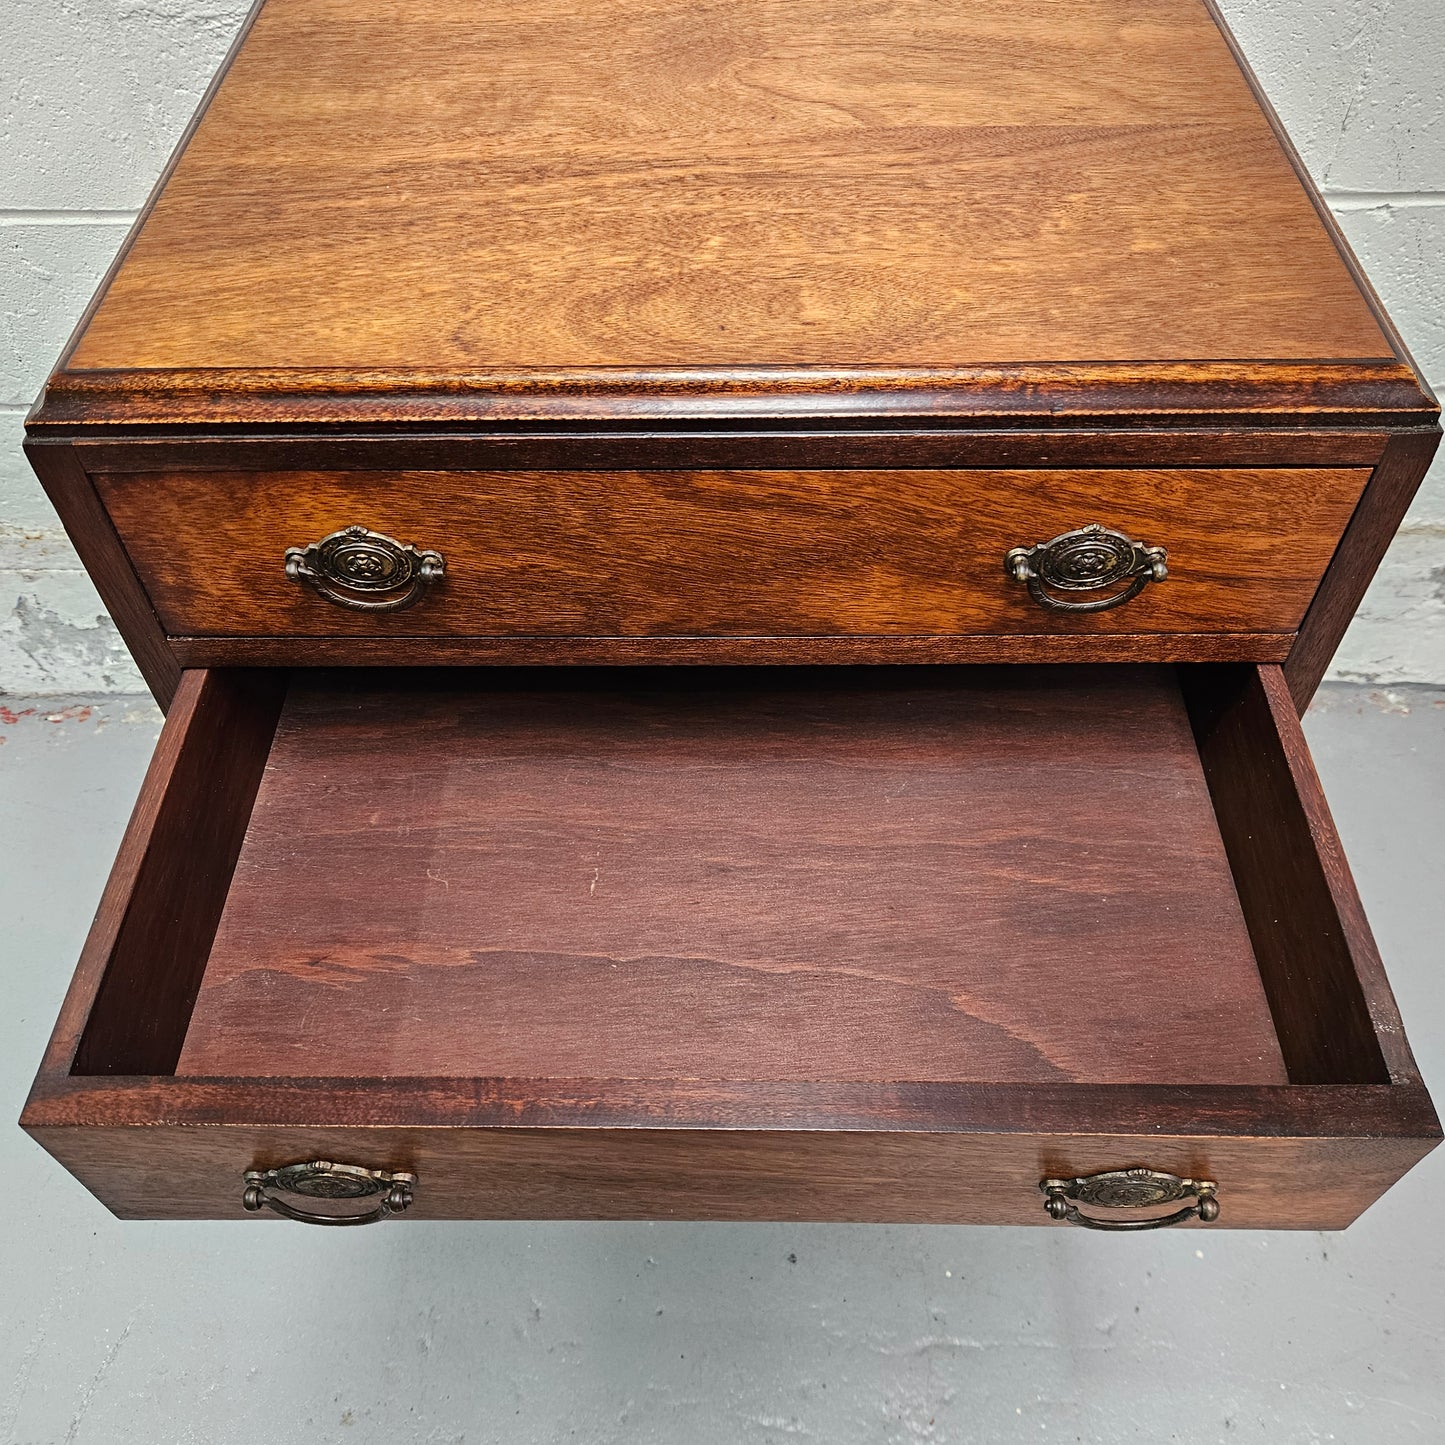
[(733, 586)]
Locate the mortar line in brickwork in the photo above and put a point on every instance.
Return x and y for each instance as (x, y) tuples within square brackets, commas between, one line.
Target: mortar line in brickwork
[(20, 216), (1370, 200)]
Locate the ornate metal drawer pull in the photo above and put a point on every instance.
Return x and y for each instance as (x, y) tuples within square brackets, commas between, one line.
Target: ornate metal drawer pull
[(1129, 1189), (365, 571), (1092, 559), (320, 1179)]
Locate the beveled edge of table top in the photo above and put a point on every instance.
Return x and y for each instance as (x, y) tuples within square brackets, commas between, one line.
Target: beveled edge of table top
[(1384, 391)]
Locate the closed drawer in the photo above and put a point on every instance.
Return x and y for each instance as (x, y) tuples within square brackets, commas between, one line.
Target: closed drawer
[(774, 944), (732, 554)]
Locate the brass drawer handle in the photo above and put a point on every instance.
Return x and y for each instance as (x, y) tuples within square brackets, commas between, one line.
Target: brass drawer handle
[(320, 1179), (1129, 1189), (1091, 559), (365, 571)]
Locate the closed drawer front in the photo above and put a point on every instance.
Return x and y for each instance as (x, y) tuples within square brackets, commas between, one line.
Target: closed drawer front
[(753, 554), (746, 944)]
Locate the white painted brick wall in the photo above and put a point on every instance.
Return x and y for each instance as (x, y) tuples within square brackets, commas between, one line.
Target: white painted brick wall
[(95, 93)]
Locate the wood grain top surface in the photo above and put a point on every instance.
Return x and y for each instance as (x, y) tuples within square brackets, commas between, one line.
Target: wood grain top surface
[(447, 188), (1005, 876)]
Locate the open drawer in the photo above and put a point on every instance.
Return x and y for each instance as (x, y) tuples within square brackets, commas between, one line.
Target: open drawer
[(884, 944)]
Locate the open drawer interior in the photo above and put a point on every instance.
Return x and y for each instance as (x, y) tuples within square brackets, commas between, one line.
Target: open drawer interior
[(1015, 905)]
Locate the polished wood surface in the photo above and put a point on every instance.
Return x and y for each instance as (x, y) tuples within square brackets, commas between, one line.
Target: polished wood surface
[(1372, 528), (1024, 647), (445, 188), (808, 553), (774, 400), (1257, 450), (426, 237), (413, 247), (103, 555), (155, 823), (158, 917), (1070, 443), (1277, 1167), (1003, 876), (1322, 207), (1331, 1002), (1286, 1155)]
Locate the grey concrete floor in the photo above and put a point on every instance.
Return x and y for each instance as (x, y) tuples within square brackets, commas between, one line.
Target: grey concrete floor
[(691, 1334)]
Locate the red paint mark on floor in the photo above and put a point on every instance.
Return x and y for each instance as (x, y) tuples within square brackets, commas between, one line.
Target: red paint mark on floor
[(6, 716)]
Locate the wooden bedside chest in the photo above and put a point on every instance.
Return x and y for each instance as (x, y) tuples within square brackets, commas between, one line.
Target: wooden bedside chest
[(733, 586)]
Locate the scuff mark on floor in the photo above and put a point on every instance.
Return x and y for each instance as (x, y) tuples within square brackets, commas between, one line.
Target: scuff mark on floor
[(96, 1380)]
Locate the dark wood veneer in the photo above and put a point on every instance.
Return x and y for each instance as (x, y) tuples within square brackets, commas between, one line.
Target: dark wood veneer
[(1406, 458), (919, 187), (1291, 1177), (1020, 248), (1310, 1153), (1396, 479), (729, 553), (661, 874), (1108, 395), (412, 651), (1153, 379), (92, 534), (161, 906), (684, 448), (1313, 947)]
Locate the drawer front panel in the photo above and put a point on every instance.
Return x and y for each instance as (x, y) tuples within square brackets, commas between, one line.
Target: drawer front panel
[(689, 554), (172, 1172)]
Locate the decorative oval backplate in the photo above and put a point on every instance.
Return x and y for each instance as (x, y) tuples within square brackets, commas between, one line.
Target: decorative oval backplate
[(1129, 1189), (365, 571), (321, 1179), (1107, 565)]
